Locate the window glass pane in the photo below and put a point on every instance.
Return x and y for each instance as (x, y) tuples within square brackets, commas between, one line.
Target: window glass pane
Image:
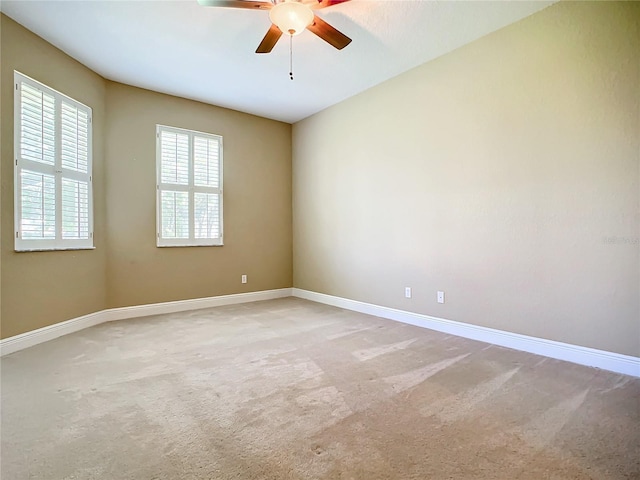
[(207, 215), (38, 205), (37, 119), (206, 162), (175, 214), (75, 209), (74, 138), (174, 163)]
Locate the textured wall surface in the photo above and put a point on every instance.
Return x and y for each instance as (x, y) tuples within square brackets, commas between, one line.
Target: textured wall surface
[(257, 202), (43, 288), (505, 174)]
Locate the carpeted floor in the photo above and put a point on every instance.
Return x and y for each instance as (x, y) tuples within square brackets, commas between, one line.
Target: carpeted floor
[(290, 389)]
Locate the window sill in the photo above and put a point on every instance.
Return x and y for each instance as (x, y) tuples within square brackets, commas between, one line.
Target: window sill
[(189, 245), (63, 249)]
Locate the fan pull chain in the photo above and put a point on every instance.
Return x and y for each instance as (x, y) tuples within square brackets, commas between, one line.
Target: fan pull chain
[(291, 57)]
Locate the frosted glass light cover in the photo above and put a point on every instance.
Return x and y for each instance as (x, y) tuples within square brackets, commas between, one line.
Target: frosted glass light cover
[(291, 17)]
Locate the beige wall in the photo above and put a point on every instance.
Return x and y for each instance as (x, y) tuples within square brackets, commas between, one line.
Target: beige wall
[(126, 268), (34, 294), (257, 202), (494, 173)]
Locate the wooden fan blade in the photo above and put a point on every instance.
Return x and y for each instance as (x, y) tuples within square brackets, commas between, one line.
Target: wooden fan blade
[(318, 4), (270, 39), (329, 34), (236, 4)]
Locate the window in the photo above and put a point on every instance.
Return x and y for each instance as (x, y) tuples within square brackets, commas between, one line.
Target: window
[(53, 161), (189, 186)]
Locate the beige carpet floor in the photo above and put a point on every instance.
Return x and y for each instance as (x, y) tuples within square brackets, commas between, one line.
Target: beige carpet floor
[(290, 389)]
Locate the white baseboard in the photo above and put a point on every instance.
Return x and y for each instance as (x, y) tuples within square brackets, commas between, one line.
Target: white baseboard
[(44, 334), (193, 304), (591, 357), (29, 339)]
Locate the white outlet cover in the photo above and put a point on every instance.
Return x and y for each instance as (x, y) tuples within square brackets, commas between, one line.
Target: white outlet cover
[(440, 297), (407, 292)]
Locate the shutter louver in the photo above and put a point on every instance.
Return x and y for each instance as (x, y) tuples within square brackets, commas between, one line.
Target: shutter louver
[(175, 158), (75, 209), (74, 138), (175, 214), (206, 162), (38, 212), (207, 215), (37, 119)]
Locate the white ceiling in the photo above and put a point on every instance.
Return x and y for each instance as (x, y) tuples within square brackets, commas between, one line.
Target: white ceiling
[(207, 54)]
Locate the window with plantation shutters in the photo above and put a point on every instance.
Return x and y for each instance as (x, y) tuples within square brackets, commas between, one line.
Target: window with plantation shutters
[(53, 180), (189, 187)]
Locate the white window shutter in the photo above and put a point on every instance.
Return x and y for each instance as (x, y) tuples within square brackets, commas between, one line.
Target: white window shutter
[(175, 158), (38, 125), (207, 215), (53, 178), (175, 214), (206, 159), (75, 209), (38, 205), (74, 138), (189, 187)]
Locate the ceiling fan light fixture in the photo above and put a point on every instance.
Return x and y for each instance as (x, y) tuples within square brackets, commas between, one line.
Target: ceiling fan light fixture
[(291, 17)]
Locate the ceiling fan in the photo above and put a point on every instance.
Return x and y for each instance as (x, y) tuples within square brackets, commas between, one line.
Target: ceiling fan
[(291, 17)]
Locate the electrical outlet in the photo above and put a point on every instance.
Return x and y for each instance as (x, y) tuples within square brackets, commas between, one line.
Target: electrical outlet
[(407, 292), (244, 279), (440, 297)]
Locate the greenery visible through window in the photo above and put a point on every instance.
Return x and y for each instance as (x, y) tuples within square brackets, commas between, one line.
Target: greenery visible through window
[(189, 184)]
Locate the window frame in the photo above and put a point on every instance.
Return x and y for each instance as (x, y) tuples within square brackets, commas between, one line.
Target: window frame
[(56, 170), (191, 188)]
